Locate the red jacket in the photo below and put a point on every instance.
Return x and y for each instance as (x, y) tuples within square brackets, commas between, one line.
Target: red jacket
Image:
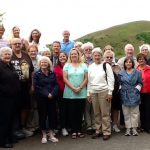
[(145, 79), (58, 70)]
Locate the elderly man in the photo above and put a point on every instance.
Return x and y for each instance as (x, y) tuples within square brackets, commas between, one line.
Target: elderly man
[(89, 114), (24, 68), (66, 44), (129, 52)]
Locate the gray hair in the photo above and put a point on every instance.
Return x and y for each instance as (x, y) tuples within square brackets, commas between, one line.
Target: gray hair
[(88, 44), (46, 59), (4, 50), (144, 45), (128, 45), (98, 50)]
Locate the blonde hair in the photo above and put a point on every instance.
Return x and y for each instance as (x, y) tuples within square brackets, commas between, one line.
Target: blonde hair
[(109, 52), (79, 57)]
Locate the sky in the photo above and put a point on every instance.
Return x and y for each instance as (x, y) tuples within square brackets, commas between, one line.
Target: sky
[(80, 17)]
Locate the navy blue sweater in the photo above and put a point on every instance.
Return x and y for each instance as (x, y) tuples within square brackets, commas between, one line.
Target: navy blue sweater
[(45, 84)]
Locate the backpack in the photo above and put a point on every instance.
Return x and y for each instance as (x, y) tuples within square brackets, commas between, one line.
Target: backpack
[(116, 83)]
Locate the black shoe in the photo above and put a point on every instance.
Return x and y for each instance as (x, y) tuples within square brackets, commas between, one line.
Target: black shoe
[(96, 135), (8, 145), (106, 137)]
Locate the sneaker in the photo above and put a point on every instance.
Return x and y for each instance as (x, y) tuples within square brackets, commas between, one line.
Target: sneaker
[(134, 132), (115, 128), (64, 132), (27, 132), (53, 139), (128, 132), (44, 140)]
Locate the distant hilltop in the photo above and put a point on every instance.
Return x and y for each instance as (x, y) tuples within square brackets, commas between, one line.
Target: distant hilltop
[(136, 33)]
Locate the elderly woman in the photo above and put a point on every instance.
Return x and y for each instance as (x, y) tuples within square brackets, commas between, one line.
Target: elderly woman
[(145, 49), (46, 90), (145, 92), (75, 78), (116, 105), (8, 95), (99, 92), (131, 82), (109, 47)]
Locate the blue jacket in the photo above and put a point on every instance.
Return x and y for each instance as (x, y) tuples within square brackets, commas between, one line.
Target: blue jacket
[(129, 94), (45, 84)]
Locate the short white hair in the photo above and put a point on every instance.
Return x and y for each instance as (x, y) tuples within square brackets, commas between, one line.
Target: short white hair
[(46, 59), (88, 44), (98, 50), (144, 45), (128, 45), (4, 50)]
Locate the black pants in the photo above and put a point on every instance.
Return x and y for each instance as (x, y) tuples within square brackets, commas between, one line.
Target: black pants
[(6, 119), (76, 109), (63, 116), (47, 110), (145, 111)]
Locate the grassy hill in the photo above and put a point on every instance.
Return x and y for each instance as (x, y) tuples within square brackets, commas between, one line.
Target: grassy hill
[(136, 33)]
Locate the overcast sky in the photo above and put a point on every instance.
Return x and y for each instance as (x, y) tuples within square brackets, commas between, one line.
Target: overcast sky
[(80, 17)]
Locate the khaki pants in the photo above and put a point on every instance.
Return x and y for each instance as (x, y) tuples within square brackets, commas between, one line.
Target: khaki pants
[(89, 115), (131, 116), (102, 110)]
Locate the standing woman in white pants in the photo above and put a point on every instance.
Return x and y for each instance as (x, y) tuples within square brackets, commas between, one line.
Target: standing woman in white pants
[(131, 82)]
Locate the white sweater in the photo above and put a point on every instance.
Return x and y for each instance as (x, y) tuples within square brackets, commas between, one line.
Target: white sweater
[(97, 79)]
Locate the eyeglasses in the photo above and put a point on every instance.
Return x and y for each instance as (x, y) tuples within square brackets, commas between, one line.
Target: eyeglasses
[(109, 57), (88, 49), (16, 44)]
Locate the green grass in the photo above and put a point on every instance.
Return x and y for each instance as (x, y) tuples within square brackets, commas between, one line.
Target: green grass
[(136, 33)]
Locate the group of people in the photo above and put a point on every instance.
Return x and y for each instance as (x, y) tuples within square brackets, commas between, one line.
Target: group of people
[(68, 86)]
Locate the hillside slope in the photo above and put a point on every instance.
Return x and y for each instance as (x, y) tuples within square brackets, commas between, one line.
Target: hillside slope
[(136, 33)]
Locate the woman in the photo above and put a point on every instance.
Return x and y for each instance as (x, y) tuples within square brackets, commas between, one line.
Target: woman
[(58, 70), (8, 96), (145, 49), (99, 92), (116, 105), (34, 37), (46, 90), (75, 78), (145, 92), (3, 42), (131, 82), (16, 34)]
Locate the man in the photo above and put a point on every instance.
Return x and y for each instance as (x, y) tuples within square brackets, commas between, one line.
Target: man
[(56, 46), (66, 44), (129, 52), (89, 114), (24, 67)]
